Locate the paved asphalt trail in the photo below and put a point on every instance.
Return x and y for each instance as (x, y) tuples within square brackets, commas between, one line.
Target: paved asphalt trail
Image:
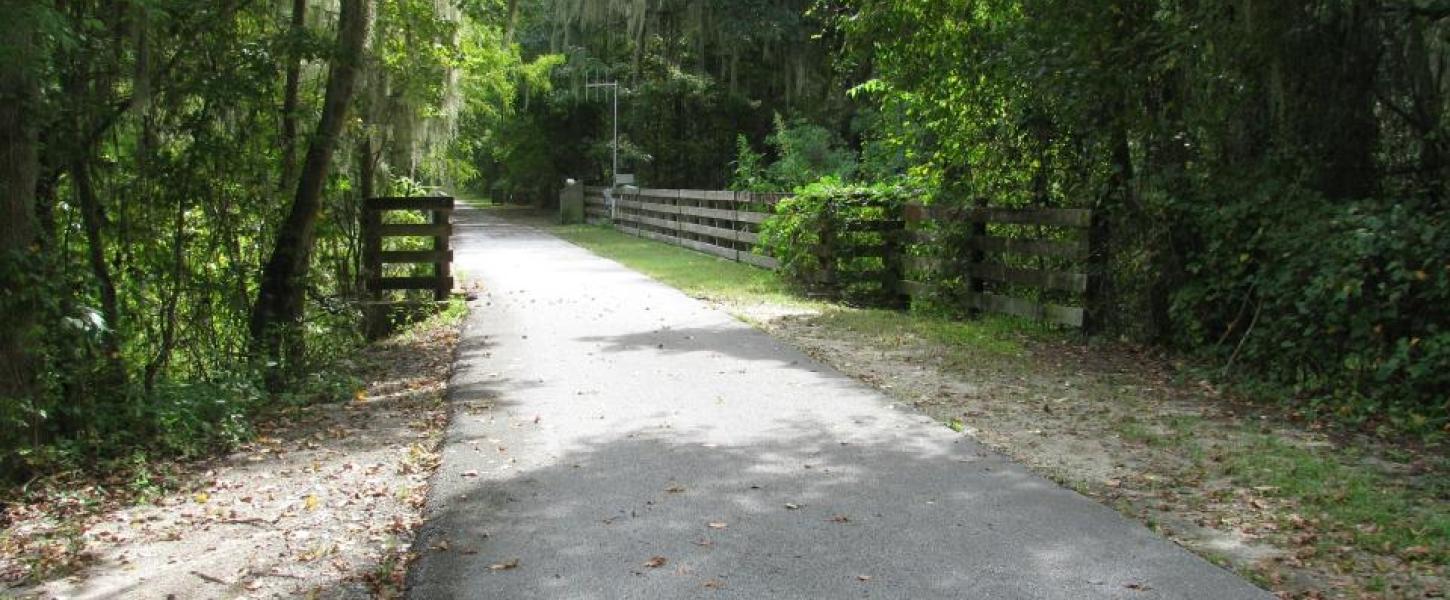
[(603, 419)]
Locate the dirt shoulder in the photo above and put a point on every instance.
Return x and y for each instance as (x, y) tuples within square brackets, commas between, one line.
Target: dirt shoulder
[(1301, 513), (322, 504)]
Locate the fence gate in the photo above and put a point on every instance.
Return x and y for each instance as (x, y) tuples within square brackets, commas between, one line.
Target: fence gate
[(374, 257)]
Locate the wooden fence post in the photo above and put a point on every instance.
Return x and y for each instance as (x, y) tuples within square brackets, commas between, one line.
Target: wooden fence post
[(1095, 298), (976, 286), (894, 256), (827, 250), (442, 269), (374, 313)]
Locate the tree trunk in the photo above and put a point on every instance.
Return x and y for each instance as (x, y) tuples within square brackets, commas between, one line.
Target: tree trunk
[(94, 221), (289, 95), (276, 323), (513, 17), (19, 167)]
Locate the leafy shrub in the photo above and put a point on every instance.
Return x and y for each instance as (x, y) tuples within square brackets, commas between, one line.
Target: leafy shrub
[(822, 214), (1346, 305), (191, 419), (804, 153), (749, 168)]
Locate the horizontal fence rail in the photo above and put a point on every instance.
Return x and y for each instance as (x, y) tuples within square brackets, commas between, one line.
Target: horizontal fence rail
[(440, 256), (1036, 263), (722, 223), (1028, 262)]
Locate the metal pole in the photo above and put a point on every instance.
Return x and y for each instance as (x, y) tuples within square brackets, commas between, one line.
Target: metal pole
[(614, 170)]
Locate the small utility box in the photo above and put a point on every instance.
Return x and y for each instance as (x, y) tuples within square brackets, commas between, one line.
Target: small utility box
[(571, 203)]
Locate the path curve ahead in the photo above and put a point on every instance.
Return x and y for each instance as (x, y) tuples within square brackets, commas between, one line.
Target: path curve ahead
[(604, 419)]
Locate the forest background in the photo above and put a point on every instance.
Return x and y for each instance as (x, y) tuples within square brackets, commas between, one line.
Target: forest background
[(182, 180)]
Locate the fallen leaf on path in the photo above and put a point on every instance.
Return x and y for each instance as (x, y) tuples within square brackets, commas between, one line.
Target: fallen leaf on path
[(714, 584), (656, 561), (200, 497), (840, 519), (512, 563), (675, 489), (470, 473)]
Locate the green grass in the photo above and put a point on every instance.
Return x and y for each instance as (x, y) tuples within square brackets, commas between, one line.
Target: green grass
[(696, 274), (1374, 513), (891, 329), (741, 285)]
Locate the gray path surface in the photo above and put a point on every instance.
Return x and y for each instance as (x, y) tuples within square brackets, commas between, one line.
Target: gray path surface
[(626, 418)]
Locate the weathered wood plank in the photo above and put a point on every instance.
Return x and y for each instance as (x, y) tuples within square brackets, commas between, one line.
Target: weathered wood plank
[(1063, 315), (415, 229), (921, 263), (1001, 245), (415, 283), (751, 217), (766, 262), (416, 256), (715, 232), (915, 288), (1055, 217), (409, 203), (661, 223), (657, 193), (1051, 280), (711, 195), (655, 207), (709, 213)]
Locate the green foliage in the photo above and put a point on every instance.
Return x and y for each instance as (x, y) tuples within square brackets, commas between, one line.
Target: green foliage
[(812, 234), (1381, 516), (693, 76), (1346, 306), (135, 297), (194, 419), (749, 168), (1246, 160), (805, 153)]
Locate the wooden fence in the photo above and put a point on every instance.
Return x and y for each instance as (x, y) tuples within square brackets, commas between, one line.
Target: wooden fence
[(722, 223), (1030, 262), (440, 256)]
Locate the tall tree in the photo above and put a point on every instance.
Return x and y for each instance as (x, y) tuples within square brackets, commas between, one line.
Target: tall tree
[(19, 166), (290, 94), (276, 322)]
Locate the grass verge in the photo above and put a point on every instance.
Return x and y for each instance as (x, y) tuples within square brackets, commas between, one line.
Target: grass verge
[(744, 288)]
